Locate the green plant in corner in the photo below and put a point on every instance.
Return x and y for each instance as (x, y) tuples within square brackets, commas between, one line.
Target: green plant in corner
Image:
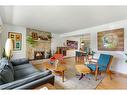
[(31, 41), (49, 36)]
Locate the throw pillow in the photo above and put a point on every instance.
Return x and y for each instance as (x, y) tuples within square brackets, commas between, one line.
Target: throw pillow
[(6, 71), (3, 62), (6, 74)]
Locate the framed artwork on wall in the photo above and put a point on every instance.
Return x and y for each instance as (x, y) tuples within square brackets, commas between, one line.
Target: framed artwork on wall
[(17, 40), (72, 44), (34, 35), (111, 40)]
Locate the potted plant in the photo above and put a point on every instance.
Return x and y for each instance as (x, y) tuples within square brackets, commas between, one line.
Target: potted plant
[(31, 41)]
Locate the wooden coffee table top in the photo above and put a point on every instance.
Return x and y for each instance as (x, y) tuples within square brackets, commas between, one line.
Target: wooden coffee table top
[(52, 67)]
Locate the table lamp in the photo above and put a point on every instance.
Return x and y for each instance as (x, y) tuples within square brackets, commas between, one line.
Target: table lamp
[(8, 48)]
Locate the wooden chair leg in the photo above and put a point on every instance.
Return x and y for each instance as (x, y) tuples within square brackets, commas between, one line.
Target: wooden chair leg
[(96, 72), (109, 73)]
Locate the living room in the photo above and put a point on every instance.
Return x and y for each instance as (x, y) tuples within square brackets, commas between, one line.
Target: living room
[(56, 33)]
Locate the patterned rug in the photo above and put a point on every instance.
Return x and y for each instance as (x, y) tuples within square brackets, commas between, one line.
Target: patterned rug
[(72, 81), (75, 83)]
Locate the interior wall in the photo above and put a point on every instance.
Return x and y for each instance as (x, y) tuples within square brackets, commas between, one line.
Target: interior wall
[(56, 39), (0, 44), (11, 28), (119, 64), (0, 37)]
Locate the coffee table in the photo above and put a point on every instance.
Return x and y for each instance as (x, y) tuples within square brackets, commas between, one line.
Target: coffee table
[(60, 68), (82, 69)]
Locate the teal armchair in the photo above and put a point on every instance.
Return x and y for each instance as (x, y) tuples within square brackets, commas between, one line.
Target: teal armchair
[(103, 65)]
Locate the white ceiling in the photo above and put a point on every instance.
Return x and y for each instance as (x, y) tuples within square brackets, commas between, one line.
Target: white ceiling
[(61, 19)]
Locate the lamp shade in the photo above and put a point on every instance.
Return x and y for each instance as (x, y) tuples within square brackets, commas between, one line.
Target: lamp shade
[(8, 47)]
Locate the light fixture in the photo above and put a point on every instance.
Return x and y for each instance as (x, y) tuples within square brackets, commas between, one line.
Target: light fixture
[(8, 48), (82, 43)]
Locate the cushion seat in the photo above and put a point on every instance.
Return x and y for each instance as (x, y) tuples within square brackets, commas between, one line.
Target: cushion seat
[(23, 71), (93, 67)]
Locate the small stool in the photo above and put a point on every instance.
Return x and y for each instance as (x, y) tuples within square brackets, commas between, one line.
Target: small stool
[(82, 69)]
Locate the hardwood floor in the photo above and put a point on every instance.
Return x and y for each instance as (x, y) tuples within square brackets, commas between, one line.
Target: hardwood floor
[(118, 81)]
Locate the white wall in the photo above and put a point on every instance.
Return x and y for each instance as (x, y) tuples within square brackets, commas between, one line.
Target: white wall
[(0, 44), (0, 37), (17, 29), (55, 42), (119, 64)]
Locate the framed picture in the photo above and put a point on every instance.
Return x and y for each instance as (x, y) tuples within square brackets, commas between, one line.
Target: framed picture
[(17, 40), (72, 44), (111, 40), (35, 35)]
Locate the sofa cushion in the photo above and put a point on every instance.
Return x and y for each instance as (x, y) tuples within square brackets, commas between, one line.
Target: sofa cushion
[(21, 61), (6, 71), (24, 70)]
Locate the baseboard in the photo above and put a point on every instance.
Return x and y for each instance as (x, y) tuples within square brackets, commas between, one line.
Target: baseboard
[(119, 74)]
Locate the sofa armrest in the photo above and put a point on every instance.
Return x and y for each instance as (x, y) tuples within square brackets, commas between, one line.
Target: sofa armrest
[(24, 81)]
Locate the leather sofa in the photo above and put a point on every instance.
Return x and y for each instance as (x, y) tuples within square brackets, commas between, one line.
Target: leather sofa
[(20, 74)]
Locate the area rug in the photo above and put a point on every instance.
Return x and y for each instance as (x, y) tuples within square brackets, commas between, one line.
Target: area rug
[(75, 83), (72, 81)]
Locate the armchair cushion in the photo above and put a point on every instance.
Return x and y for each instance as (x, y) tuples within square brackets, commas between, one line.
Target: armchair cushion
[(93, 67), (104, 59)]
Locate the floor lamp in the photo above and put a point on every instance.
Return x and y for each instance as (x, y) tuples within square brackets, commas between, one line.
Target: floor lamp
[(8, 48)]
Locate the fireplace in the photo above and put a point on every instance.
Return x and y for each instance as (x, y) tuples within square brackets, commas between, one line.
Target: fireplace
[(39, 54)]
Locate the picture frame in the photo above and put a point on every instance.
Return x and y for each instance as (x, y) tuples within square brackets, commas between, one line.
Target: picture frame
[(72, 44), (17, 40), (111, 40)]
